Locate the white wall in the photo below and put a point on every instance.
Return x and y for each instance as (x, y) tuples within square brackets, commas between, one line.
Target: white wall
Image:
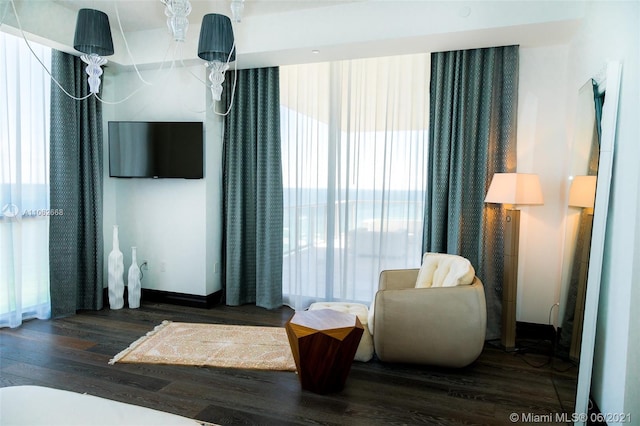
[(168, 220), (610, 32), (632, 387), (214, 125), (542, 149)]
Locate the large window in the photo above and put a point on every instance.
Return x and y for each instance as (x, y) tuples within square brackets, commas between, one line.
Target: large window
[(24, 182), (354, 148)]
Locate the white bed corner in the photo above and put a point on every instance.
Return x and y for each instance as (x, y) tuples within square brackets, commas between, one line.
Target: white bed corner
[(42, 406)]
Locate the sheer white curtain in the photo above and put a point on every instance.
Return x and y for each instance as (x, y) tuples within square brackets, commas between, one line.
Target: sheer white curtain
[(354, 153), (24, 182)]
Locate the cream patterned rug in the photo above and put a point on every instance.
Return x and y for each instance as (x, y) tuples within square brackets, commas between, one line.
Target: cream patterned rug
[(216, 345)]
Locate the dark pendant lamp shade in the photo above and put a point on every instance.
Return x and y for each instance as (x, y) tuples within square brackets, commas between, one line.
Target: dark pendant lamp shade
[(93, 34), (216, 38)]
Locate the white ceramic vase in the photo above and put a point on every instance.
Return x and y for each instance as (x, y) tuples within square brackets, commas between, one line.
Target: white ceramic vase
[(116, 273), (133, 281)]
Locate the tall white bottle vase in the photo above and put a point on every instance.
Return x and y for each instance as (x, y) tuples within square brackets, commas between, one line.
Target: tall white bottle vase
[(133, 281), (116, 273)]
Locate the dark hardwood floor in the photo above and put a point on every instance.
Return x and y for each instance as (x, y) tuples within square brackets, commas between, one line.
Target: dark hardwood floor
[(73, 354)]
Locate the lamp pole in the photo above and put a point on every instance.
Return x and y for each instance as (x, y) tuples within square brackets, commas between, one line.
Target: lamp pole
[(510, 278)]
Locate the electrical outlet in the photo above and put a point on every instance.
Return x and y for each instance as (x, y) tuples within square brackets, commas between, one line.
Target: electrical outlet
[(216, 267), (163, 266)]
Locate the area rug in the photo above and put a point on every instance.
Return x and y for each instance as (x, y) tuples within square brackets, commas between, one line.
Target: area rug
[(215, 345)]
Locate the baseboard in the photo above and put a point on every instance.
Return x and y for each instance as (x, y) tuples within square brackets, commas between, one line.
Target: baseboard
[(529, 330), (191, 300), (173, 298)]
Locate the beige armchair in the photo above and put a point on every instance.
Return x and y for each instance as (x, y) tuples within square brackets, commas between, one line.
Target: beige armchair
[(442, 326)]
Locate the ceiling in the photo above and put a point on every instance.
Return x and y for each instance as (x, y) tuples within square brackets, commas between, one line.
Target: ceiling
[(281, 32), (139, 15)]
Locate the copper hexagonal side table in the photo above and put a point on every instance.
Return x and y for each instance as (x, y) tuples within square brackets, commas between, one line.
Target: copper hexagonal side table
[(323, 343)]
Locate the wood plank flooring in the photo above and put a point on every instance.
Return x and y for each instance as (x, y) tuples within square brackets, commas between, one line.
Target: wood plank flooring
[(73, 354)]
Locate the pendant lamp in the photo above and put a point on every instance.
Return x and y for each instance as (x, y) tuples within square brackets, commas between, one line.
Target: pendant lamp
[(216, 46), (93, 38), (177, 21)]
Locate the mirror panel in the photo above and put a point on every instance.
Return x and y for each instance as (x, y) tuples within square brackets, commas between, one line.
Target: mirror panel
[(578, 222), (608, 129), (581, 181)]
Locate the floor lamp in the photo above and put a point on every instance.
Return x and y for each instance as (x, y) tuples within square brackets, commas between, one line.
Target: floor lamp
[(513, 189)]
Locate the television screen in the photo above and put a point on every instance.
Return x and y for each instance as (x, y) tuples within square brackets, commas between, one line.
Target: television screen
[(156, 149)]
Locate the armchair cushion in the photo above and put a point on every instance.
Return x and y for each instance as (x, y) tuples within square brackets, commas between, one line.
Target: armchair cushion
[(444, 270)]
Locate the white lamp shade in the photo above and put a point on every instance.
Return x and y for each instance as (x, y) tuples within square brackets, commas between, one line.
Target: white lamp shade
[(583, 191), (515, 188)]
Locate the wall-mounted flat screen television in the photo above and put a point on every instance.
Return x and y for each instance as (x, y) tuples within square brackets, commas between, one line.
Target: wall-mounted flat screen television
[(156, 149)]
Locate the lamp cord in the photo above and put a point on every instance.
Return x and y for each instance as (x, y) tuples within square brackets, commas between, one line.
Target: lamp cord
[(551, 311), (4, 14), (141, 87), (15, 12), (126, 44), (24, 37), (233, 48), (173, 61)]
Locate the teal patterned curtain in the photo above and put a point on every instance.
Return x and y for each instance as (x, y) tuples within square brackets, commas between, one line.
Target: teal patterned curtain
[(75, 237), (252, 175), (472, 135), (598, 100)]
